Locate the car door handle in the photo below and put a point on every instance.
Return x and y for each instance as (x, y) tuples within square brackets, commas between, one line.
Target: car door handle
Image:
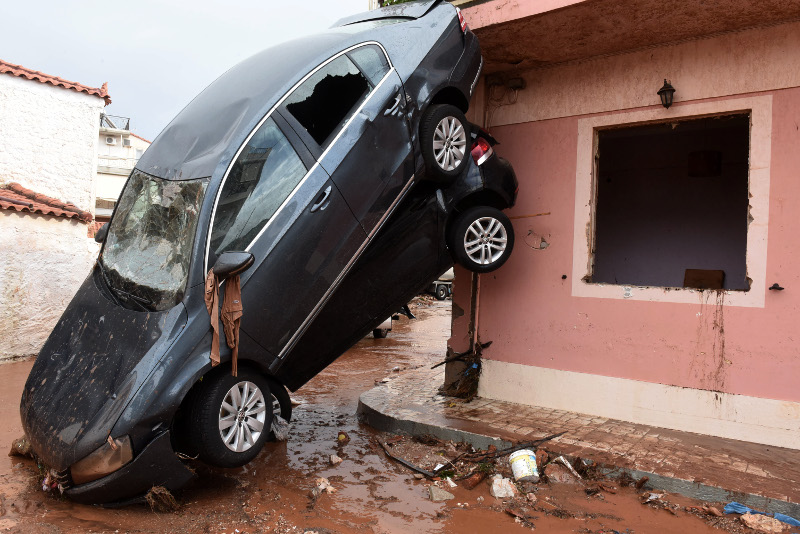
[(391, 110), (321, 200)]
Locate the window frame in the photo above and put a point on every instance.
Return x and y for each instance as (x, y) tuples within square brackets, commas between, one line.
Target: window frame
[(760, 110), (297, 140)]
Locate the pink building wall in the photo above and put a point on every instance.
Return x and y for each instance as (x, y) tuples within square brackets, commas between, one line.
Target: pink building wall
[(716, 362)]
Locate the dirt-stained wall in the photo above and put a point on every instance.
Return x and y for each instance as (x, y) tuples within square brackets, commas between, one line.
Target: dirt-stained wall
[(724, 363)]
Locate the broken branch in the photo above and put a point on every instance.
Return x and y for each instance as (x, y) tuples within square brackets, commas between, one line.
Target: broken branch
[(405, 462)]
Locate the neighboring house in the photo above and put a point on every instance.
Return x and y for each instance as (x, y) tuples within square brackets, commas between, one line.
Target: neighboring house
[(117, 153), (48, 159), (652, 242)]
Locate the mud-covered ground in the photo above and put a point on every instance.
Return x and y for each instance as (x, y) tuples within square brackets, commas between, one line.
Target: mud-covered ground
[(372, 492)]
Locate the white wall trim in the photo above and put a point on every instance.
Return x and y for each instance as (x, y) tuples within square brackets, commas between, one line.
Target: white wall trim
[(760, 109), (753, 419)]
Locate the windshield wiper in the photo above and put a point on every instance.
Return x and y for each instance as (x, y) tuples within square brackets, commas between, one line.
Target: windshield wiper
[(118, 295), (143, 303), (107, 280)]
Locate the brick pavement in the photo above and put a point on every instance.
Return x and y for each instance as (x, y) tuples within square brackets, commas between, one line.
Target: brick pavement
[(710, 468)]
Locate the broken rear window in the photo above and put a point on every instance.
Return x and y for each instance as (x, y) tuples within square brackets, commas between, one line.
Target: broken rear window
[(149, 244), (324, 102)]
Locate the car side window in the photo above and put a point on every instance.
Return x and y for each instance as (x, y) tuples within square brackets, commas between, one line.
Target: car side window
[(372, 62), (324, 102), (264, 174)]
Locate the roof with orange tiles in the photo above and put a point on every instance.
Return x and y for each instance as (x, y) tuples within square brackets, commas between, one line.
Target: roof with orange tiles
[(35, 75), (142, 138), (14, 197)]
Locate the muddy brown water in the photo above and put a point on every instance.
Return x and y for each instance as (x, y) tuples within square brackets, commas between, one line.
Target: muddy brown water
[(373, 494)]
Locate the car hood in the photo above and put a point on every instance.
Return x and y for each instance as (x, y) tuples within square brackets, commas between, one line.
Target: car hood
[(88, 370)]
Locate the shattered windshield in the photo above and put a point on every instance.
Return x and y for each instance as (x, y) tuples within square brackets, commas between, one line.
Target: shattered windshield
[(145, 261)]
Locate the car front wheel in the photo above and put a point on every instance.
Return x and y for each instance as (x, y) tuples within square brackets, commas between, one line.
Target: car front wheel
[(231, 418), (443, 138), (482, 239)]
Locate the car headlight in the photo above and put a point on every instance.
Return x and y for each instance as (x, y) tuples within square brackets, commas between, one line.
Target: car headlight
[(104, 461)]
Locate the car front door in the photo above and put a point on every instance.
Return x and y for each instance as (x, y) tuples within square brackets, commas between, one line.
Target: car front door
[(370, 159), (279, 205)]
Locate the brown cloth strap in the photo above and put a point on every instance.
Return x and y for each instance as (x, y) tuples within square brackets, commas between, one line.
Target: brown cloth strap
[(232, 311), (212, 305), (232, 318)]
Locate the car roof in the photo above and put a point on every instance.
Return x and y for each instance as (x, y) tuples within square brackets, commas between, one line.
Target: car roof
[(203, 138)]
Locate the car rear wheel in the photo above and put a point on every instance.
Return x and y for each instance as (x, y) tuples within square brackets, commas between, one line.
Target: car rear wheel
[(441, 292), (231, 418), (482, 239), (443, 138)]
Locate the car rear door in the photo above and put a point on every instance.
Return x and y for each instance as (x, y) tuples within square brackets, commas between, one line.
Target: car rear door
[(371, 158)]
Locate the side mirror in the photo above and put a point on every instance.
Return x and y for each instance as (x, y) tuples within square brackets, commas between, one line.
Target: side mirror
[(231, 263), (101, 234)]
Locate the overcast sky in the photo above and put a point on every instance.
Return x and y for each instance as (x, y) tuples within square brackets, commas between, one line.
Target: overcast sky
[(155, 55)]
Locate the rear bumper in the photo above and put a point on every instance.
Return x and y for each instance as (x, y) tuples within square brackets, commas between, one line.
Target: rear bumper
[(498, 176), (156, 465)]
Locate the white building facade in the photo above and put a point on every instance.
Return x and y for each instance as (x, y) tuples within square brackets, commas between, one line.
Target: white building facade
[(49, 136)]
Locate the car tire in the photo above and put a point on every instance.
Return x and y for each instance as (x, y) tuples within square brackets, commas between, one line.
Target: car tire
[(482, 239), (281, 403), (444, 140), (216, 404), (441, 292), (380, 333)]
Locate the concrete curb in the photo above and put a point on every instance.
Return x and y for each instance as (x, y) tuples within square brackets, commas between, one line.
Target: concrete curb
[(388, 423)]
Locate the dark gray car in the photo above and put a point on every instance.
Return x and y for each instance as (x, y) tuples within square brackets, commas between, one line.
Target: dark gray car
[(338, 176)]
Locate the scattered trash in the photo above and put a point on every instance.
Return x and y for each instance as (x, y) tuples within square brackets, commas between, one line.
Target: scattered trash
[(160, 499), (419, 476), (502, 488), (558, 474), (335, 460), (479, 499), (21, 447), (568, 465), (737, 508), (541, 457), (396, 369), (532, 498), (426, 439), (520, 516), (651, 497), (342, 438), (523, 465), (280, 428), (322, 486), (707, 509), (438, 494), (474, 479), (762, 523), (449, 482)]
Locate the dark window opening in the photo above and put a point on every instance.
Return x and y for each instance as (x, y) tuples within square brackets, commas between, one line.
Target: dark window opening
[(672, 204), (326, 100)]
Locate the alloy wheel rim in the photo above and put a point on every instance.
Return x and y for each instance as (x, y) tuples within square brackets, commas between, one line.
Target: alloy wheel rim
[(449, 143), (242, 416), (485, 240)]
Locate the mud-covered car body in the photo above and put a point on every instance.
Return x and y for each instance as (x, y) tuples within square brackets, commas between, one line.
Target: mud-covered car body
[(350, 240)]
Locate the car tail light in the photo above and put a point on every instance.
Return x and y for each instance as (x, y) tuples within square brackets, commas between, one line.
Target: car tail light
[(481, 150), (462, 21)]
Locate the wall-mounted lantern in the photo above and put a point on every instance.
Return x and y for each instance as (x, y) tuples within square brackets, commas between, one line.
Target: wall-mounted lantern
[(666, 92)]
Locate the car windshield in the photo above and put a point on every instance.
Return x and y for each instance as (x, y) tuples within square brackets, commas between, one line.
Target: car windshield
[(145, 260)]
